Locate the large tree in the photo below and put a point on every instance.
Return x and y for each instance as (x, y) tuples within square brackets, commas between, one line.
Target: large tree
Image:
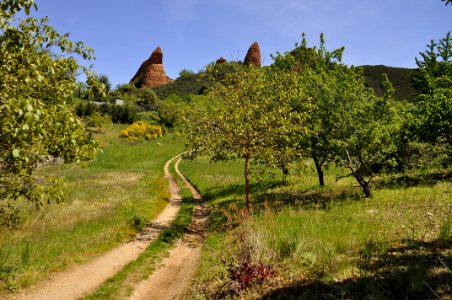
[(349, 124), (250, 112), (37, 76), (315, 67), (365, 127)]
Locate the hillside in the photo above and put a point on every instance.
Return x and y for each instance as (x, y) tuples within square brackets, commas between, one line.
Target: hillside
[(401, 79)]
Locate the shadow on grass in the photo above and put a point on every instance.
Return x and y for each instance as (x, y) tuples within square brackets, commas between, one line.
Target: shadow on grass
[(413, 270), (239, 189), (270, 195), (317, 198), (413, 180)]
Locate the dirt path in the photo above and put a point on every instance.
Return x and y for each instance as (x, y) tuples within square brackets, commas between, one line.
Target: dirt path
[(171, 280), (82, 279)]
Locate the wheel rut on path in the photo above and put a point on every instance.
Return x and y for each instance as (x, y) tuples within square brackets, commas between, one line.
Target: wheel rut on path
[(80, 280), (172, 279)]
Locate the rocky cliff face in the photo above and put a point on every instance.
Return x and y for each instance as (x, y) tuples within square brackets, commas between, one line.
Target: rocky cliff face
[(151, 72), (253, 56)]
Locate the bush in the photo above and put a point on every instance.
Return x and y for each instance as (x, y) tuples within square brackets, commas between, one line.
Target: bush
[(141, 129), (125, 114), (151, 117), (96, 120)]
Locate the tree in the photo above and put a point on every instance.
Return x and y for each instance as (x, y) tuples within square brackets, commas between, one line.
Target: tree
[(35, 121), (349, 124), (432, 117), (102, 78), (447, 2), (365, 127), (315, 67), (249, 112), (433, 114), (435, 62)]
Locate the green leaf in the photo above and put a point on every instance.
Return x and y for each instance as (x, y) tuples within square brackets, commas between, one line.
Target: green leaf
[(16, 153)]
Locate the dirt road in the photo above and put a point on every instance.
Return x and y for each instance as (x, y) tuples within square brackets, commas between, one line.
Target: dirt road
[(171, 280), (83, 279)]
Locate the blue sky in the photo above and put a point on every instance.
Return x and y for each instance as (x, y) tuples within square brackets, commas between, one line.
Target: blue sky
[(193, 33)]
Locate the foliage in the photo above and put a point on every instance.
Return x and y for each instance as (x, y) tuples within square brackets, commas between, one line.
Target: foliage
[(151, 117), (34, 87), (141, 129), (432, 118), (349, 123), (145, 98), (96, 93), (435, 62), (248, 114), (102, 78), (365, 128), (317, 70), (190, 83), (124, 114), (185, 72), (433, 115), (97, 120)]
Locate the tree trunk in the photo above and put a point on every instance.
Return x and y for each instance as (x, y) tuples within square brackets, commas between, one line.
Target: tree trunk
[(247, 183), (365, 185), (318, 167), (284, 169)]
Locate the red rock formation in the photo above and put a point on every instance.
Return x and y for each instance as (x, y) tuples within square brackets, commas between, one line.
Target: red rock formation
[(253, 56), (156, 56), (151, 72), (221, 60)]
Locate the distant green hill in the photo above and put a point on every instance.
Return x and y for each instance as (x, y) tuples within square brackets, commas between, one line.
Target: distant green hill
[(196, 83), (401, 79)]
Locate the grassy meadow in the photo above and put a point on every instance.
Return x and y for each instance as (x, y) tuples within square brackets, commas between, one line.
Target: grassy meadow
[(107, 201), (325, 243)]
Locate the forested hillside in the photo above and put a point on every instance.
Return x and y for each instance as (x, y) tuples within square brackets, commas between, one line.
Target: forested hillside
[(401, 79)]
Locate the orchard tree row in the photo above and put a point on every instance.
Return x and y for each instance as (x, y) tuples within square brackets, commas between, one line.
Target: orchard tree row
[(308, 104)]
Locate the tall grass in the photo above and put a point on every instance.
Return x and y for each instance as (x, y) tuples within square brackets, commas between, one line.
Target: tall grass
[(331, 235), (106, 202)]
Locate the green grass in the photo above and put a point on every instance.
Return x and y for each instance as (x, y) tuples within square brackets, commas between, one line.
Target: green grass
[(107, 201), (328, 242)]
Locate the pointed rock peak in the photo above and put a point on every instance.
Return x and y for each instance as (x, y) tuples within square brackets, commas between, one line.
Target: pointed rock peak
[(253, 56), (221, 60), (156, 56), (151, 72)]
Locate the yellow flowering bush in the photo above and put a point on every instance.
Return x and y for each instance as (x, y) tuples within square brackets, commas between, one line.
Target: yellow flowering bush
[(141, 129)]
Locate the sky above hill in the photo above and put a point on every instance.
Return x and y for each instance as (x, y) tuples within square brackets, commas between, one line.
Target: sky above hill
[(193, 33)]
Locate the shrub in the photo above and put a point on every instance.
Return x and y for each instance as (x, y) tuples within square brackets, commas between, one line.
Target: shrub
[(125, 114), (151, 117), (141, 129), (96, 120)]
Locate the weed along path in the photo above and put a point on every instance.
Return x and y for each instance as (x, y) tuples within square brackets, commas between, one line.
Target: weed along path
[(82, 279), (171, 280)]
